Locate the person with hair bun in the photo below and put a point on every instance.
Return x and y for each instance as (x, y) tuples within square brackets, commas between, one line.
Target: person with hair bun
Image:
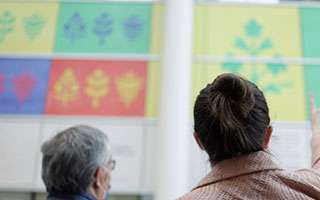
[(232, 124)]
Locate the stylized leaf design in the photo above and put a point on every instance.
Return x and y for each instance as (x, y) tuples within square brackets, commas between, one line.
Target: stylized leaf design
[(266, 44), (253, 29), (9, 30), (67, 88), (97, 86), (23, 85), (241, 44), (75, 28), (2, 79), (33, 25), (275, 69), (133, 27), (128, 86), (256, 73), (286, 85), (103, 26), (233, 67), (274, 88), (6, 24)]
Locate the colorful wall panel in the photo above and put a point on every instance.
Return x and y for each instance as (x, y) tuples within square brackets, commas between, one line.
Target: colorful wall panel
[(153, 87), (310, 27), (81, 87), (23, 86), (137, 28), (157, 28), (100, 27), (27, 26), (258, 32)]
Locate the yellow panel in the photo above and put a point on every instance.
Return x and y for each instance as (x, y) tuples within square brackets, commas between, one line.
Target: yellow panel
[(153, 86), (153, 90), (280, 24), (156, 29), (259, 32), (288, 102), (199, 80), (28, 26), (200, 29)]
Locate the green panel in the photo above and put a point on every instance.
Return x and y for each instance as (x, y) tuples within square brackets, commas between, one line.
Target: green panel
[(312, 81), (310, 27), (310, 18), (103, 27)]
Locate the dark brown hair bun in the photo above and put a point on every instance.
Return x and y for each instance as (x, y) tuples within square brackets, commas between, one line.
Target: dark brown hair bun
[(232, 100), (231, 117)]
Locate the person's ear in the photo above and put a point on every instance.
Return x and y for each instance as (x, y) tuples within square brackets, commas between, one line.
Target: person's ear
[(196, 137), (95, 188), (267, 137), (99, 176)]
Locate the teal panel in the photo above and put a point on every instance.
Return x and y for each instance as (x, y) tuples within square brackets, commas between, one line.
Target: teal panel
[(310, 27), (103, 27)]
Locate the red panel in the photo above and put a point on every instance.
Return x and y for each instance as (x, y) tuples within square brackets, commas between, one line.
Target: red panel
[(82, 87)]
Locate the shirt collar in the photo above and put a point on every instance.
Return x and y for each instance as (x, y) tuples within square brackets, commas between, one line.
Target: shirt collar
[(81, 196), (241, 165)]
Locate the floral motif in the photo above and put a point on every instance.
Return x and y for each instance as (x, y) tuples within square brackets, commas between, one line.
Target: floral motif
[(23, 85), (66, 89), (33, 25), (253, 48), (97, 86), (128, 86), (2, 79), (6, 24), (133, 27), (75, 28), (103, 26), (233, 67), (253, 29)]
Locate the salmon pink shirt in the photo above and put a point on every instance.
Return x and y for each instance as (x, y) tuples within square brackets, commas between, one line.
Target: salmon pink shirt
[(258, 176)]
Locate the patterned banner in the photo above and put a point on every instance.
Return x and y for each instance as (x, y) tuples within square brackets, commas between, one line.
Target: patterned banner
[(153, 87), (23, 85), (27, 26), (310, 18), (112, 88), (257, 32), (157, 28), (101, 27)]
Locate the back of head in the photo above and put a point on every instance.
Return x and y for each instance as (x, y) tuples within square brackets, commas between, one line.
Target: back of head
[(231, 117), (71, 158)]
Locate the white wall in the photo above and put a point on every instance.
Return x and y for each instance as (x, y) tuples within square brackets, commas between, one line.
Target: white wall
[(21, 139), (133, 143)]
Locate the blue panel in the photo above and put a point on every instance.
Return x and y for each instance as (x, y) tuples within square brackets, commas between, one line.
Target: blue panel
[(23, 85)]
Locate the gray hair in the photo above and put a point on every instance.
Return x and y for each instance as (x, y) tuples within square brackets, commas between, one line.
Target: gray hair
[(71, 158)]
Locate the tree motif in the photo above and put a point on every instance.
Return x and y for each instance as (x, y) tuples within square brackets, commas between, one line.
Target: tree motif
[(133, 27), (66, 89), (6, 24), (128, 86), (97, 86), (23, 85), (253, 48), (2, 79), (75, 28), (103, 26), (33, 25)]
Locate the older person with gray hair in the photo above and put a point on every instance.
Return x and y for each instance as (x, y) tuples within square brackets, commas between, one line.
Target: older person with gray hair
[(77, 164)]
